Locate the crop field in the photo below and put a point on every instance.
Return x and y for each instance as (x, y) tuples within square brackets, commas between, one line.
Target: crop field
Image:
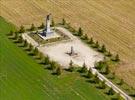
[(22, 78), (111, 22)]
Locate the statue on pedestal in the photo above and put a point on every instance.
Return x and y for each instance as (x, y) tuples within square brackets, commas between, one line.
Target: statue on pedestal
[(47, 30)]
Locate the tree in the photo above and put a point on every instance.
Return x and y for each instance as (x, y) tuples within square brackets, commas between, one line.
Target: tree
[(22, 29), (58, 70), (132, 92), (20, 39), (25, 43), (80, 31), (40, 55), (71, 63), (96, 44), (101, 85), (120, 82), (84, 37), (84, 68), (94, 79), (15, 35), (32, 27), (71, 68), (43, 60), (47, 60), (91, 41), (42, 26), (53, 23), (109, 91), (99, 65), (30, 47), (103, 48), (116, 96), (105, 70), (117, 58), (89, 75), (11, 33), (53, 65), (32, 51), (109, 54), (111, 75), (63, 21), (35, 51)]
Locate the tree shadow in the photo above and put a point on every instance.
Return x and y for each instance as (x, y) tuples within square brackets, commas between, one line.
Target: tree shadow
[(54, 73)]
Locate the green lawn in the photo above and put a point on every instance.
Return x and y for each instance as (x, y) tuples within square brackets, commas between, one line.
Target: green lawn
[(21, 78)]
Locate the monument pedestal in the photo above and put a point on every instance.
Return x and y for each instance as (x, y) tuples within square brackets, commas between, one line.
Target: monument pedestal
[(72, 52), (47, 30)]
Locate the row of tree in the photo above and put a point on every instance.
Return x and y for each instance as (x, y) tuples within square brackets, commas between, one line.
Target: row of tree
[(96, 45), (54, 66), (93, 78), (33, 27), (90, 41), (103, 68)]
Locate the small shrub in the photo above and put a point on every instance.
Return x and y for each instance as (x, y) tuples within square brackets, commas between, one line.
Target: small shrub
[(32, 27), (80, 31), (101, 85), (111, 76), (90, 41), (41, 26), (63, 21), (84, 68), (53, 65), (116, 58), (89, 75), (30, 47), (99, 65), (104, 70), (15, 36), (47, 60), (94, 79), (25, 43), (96, 45), (119, 82), (116, 96), (22, 29), (108, 54), (58, 70), (10, 33), (71, 67), (84, 37), (20, 39), (132, 93), (103, 49), (109, 91)]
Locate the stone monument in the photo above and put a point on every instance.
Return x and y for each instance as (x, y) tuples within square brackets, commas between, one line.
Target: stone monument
[(72, 52), (47, 30)]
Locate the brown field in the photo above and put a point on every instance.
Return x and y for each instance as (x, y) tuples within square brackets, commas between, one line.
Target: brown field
[(111, 22)]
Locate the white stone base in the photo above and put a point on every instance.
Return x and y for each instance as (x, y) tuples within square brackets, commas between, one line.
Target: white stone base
[(49, 35)]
